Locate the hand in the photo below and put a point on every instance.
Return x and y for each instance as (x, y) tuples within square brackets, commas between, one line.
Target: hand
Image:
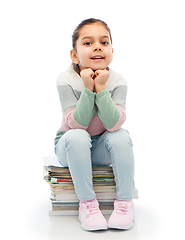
[(101, 76), (87, 76)]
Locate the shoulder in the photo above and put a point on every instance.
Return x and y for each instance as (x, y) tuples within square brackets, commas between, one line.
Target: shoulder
[(65, 77), (117, 77), (70, 77), (115, 80)]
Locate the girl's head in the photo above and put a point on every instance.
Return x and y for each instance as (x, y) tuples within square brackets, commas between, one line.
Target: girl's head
[(92, 45)]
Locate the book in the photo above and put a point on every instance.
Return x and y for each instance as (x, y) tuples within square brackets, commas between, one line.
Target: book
[(63, 199), (67, 205), (65, 211)]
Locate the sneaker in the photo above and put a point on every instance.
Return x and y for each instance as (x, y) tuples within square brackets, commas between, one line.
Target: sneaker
[(90, 216), (123, 215)]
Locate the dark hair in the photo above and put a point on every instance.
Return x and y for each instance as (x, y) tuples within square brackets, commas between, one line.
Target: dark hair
[(76, 34)]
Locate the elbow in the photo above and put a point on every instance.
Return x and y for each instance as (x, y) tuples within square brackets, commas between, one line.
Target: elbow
[(118, 124), (71, 121), (73, 124)]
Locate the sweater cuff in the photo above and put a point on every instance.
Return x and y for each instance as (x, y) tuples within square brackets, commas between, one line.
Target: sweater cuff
[(102, 93), (88, 92)]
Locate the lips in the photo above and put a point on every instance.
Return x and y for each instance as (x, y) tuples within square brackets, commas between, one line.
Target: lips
[(97, 57)]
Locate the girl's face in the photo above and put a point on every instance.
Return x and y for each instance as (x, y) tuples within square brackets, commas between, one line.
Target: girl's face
[(93, 48)]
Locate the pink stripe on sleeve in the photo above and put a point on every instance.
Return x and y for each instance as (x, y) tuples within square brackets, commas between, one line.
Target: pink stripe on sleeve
[(121, 119), (70, 121)]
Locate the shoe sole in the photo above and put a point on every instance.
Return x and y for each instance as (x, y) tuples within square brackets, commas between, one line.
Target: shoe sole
[(121, 227), (101, 227)]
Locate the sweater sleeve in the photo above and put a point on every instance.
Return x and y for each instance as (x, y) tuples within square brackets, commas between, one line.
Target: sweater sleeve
[(84, 110), (78, 112), (111, 109)]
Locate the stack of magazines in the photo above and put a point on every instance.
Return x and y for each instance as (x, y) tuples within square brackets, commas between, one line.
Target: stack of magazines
[(63, 199)]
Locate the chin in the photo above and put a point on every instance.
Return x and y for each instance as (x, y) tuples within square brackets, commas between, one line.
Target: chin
[(98, 68)]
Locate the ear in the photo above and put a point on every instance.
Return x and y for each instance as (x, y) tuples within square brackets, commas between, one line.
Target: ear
[(74, 57), (112, 54)]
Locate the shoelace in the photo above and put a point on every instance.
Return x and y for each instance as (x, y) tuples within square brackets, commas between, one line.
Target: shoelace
[(122, 208), (91, 208)]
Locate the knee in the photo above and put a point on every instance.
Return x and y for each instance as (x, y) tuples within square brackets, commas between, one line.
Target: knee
[(126, 137), (77, 137), (120, 138)]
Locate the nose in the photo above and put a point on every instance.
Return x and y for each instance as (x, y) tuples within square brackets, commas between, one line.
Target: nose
[(97, 47)]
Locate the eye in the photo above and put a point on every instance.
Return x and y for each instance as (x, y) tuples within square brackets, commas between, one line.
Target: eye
[(104, 43), (87, 43)]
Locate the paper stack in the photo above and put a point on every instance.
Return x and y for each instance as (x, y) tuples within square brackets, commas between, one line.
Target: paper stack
[(63, 199)]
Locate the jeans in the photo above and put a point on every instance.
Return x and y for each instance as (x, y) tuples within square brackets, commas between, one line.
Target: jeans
[(76, 150)]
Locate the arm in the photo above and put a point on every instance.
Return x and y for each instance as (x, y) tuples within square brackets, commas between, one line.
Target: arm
[(84, 110), (77, 112), (111, 110)]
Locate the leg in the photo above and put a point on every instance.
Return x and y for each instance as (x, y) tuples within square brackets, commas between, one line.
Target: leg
[(116, 148), (73, 151)]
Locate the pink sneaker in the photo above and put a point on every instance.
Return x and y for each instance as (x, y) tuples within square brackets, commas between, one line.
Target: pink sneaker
[(123, 215), (90, 216)]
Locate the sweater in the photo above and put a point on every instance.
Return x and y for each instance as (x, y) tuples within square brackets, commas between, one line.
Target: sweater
[(91, 111)]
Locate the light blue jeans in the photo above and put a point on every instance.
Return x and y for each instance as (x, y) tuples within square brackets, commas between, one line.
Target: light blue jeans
[(79, 152)]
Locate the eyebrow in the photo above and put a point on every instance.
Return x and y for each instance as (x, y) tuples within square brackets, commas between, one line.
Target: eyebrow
[(92, 37)]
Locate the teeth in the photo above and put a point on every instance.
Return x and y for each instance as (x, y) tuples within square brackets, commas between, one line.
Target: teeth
[(97, 57)]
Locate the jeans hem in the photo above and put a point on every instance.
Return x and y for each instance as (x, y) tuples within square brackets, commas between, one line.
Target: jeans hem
[(86, 198), (124, 198)]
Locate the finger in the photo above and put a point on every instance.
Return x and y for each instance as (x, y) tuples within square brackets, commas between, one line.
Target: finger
[(93, 75), (97, 72)]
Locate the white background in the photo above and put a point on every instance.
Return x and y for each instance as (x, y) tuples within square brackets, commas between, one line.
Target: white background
[(149, 50)]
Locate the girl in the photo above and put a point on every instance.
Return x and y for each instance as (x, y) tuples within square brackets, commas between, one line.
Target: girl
[(93, 101)]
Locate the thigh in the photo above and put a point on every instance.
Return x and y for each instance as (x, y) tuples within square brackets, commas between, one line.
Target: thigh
[(111, 143), (100, 156), (74, 148), (61, 151)]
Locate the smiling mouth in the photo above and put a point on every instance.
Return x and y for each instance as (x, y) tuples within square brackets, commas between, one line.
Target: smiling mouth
[(97, 58)]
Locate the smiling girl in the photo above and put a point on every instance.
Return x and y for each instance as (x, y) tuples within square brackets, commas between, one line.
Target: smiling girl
[(93, 99)]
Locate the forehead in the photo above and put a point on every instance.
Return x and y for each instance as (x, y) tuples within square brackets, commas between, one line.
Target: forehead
[(93, 30)]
